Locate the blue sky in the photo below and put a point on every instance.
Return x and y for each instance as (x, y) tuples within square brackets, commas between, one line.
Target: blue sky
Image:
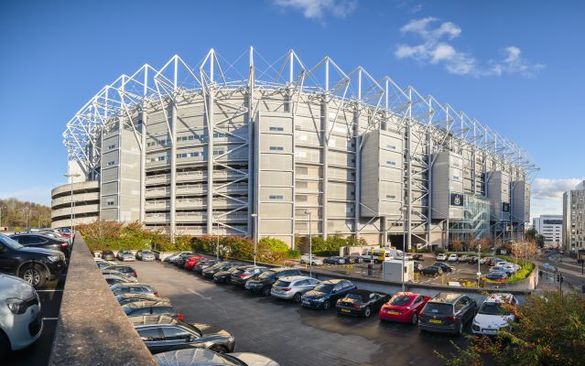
[(516, 66)]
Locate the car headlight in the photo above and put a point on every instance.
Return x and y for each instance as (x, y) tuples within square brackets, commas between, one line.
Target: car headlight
[(16, 305), (53, 258)]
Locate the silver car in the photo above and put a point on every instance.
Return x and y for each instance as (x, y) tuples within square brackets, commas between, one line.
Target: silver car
[(293, 287), (126, 256)]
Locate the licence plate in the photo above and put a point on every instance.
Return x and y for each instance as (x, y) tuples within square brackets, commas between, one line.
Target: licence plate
[(435, 321), (345, 311), (392, 312)]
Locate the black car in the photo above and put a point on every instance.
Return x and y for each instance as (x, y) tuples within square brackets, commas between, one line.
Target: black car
[(335, 259), (326, 294), (34, 265), (127, 270), (151, 307), (447, 313), (226, 276), (432, 271), (164, 333), (203, 264), (218, 267), (108, 255), (444, 266), (361, 303), (33, 240), (241, 276), (263, 282), (353, 258)]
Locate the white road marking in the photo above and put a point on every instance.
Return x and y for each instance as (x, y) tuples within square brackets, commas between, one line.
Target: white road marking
[(50, 319), (50, 290), (200, 295)]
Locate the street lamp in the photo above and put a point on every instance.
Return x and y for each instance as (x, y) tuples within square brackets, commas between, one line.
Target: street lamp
[(307, 212), (216, 221), (255, 216), (70, 176), (478, 263)]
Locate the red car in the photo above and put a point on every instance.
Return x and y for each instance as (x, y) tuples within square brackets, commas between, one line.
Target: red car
[(192, 262), (403, 307)]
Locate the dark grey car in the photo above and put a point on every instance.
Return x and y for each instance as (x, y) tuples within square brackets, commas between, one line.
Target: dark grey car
[(447, 313)]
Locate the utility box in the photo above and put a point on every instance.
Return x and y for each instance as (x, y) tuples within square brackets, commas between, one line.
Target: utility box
[(392, 270)]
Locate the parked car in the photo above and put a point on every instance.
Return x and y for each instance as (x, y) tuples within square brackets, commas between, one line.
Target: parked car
[(502, 268), (484, 260), (133, 288), (444, 266), (202, 264), (112, 279), (182, 258), (241, 276), (226, 276), (126, 256), (452, 258), (495, 313), (34, 265), (326, 294), (218, 267), (447, 313), (432, 271), (128, 298), (263, 282), (473, 259), (127, 270), (191, 261), (145, 255), (353, 258), (151, 307), (21, 320), (171, 258), (335, 259), (38, 240), (404, 307), (441, 257), (113, 272), (361, 303), (418, 266), (497, 276), (293, 287), (108, 255), (164, 333), (316, 261), (197, 356), (417, 256), (464, 258)]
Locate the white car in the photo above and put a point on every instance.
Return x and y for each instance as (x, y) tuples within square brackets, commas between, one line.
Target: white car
[(452, 258), (21, 321), (494, 314), (305, 258), (442, 257)]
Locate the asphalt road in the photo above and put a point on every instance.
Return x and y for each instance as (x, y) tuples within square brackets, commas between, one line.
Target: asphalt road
[(291, 335), (38, 353)]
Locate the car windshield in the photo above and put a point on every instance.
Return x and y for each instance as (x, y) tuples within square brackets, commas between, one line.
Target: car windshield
[(281, 283), (324, 287), (438, 308), (400, 300), (355, 296), (266, 274), (493, 308), (12, 244)]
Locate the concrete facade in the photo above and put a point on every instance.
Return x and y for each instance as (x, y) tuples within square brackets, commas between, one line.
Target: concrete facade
[(551, 227), (84, 209)]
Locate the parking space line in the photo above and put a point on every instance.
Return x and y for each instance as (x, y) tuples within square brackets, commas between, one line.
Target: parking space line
[(200, 295), (50, 318), (55, 290)]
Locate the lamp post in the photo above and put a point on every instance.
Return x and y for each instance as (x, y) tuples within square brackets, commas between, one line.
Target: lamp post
[(1, 208), (70, 176), (478, 263), (255, 216), (216, 238), (308, 213)]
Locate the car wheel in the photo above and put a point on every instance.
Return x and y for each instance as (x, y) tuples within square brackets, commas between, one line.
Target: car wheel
[(4, 344), (297, 297), (367, 312), (414, 319), (266, 291), (34, 275), (326, 305), (219, 349)]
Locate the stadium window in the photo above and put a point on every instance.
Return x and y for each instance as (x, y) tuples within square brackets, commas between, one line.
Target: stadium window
[(276, 148), (390, 162), (276, 197), (276, 129), (110, 163)]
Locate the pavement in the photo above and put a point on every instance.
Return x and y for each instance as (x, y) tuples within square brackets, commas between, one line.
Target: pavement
[(292, 335), (38, 353)]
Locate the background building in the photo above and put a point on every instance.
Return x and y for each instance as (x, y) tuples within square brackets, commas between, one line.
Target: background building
[(574, 218), (198, 150), (551, 227)]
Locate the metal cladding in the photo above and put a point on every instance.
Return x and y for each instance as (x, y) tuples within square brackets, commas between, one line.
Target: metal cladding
[(198, 150)]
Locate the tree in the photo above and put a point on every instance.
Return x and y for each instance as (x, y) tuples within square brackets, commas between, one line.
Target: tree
[(550, 331)]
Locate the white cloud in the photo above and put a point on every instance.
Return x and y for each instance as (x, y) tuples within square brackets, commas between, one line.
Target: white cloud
[(318, 9), (435, 47), (547, 195)]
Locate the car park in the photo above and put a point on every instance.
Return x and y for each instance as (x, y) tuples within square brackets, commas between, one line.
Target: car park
[(447, 313), (361, 303), (315, 261), (127, 270), (293, 287), (126, 256), (495, 313), (241, 276), (39, 240), (452, 258), (441, 257), (203, 357), (21, 320), (108, 255), (263, 282), (133, 288), (151, 307), (164, 333), (128, 298), (218, 267), (403, 307), (145, 255), (36, 266), (334, 260), (432, 271), (326, 294)]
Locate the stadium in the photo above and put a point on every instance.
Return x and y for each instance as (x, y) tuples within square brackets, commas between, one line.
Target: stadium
[(279, 149)]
